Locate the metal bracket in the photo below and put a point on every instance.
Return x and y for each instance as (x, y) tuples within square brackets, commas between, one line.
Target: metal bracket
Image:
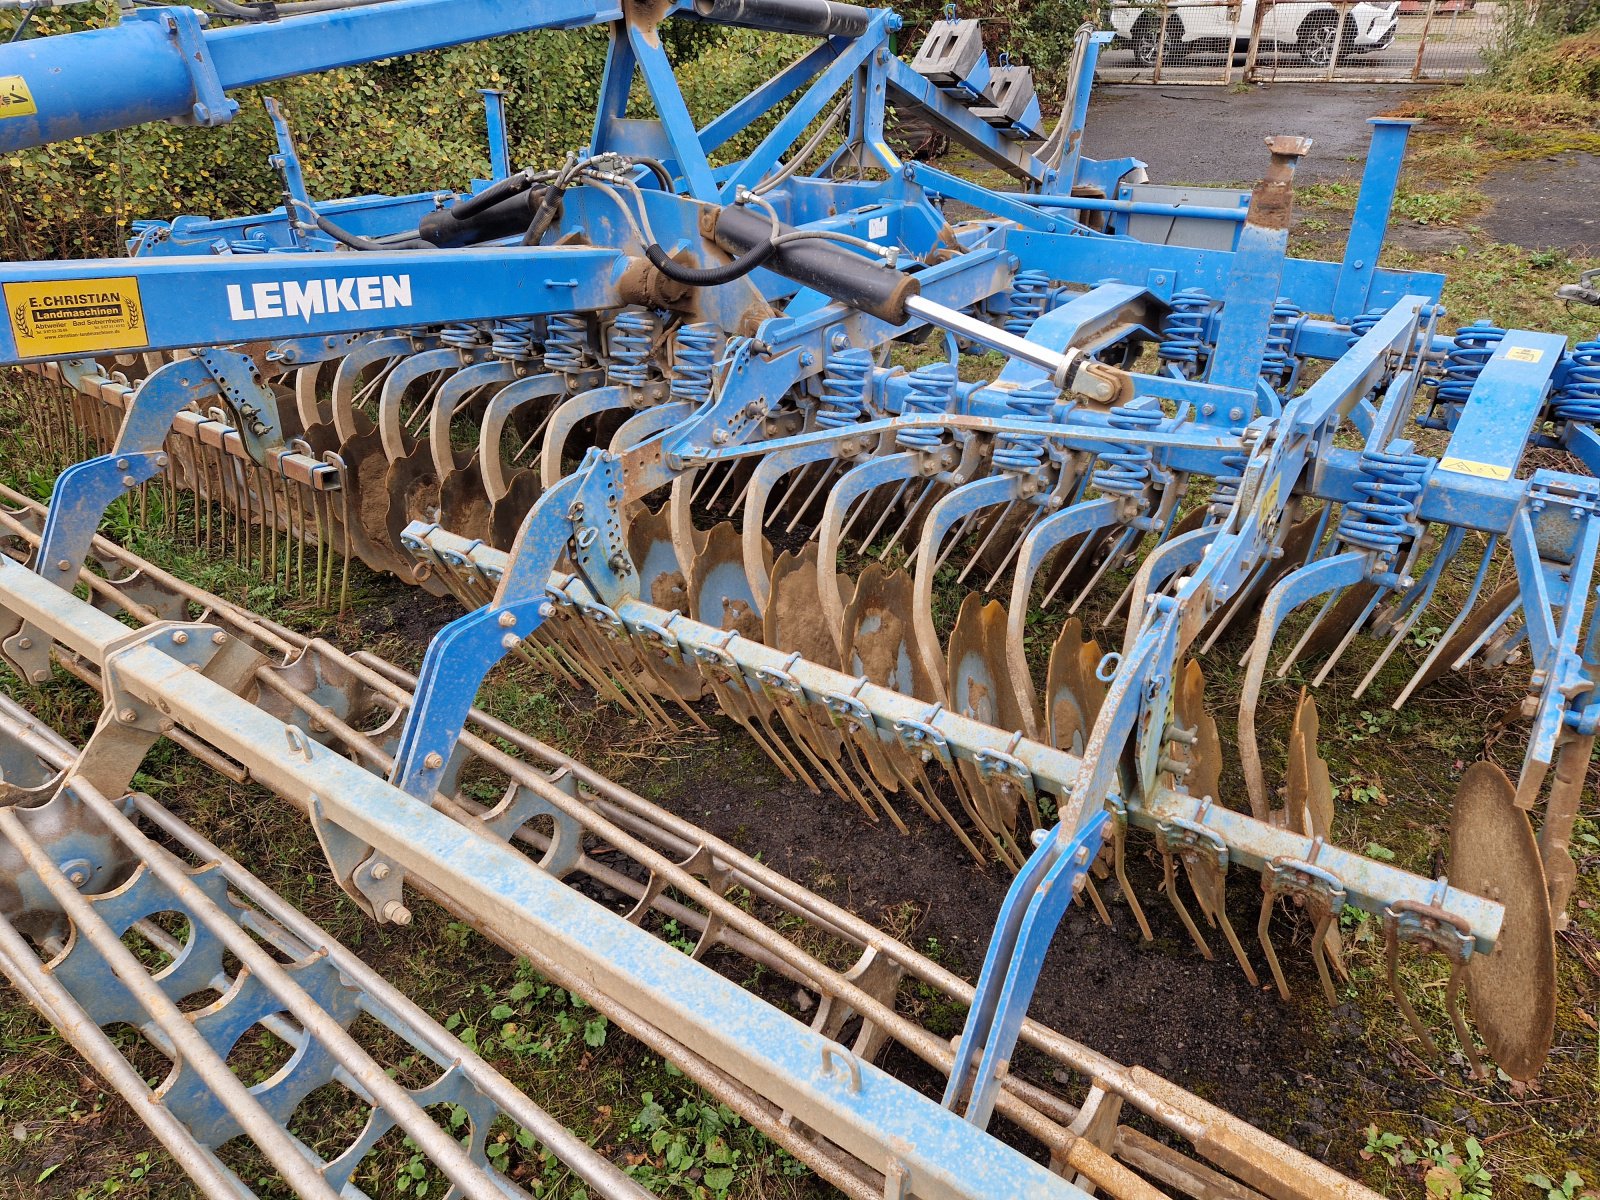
[(186, 27), (366, 876)]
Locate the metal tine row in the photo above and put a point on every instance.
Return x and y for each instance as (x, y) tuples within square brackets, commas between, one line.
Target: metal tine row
[(589, 812), (293, 531), (293, 980)]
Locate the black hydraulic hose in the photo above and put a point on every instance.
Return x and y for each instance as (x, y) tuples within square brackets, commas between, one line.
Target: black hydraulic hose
[(710, 276), (656, 168), (470, 206), (356, 242), (270, 11)]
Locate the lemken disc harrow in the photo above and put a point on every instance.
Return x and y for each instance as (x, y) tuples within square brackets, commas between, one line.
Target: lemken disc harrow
[(947, 494)]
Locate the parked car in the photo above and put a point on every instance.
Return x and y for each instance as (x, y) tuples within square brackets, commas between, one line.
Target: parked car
[(1307, 28)]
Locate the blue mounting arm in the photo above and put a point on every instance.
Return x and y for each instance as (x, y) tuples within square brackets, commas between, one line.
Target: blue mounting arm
[(578, 518), (1035, 903)]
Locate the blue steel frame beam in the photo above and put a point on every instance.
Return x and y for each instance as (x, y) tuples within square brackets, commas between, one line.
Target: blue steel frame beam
[(219, 300)]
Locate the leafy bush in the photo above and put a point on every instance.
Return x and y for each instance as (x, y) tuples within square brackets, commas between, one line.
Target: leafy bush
[(414, 123), (1567, 66)]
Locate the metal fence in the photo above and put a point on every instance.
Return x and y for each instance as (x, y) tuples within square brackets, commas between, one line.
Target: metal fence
[(1218, 42)]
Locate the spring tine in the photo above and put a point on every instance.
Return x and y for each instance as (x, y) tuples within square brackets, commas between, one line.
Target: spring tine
[(1455, 625), (703, 476), (861, 507), (776, 509), (1219, 907), (1120, 547), (1169, 883), (911, 513), (1391, 963), (1311, 629), (1344, 642), (1083, 547), (1039, 514), (728, 474), (1319, 953), (989, 534), (829, 468), (1268, 903), (1099, 904), (1119, 867), (344, 554), (1452, 1004), (952, 540)]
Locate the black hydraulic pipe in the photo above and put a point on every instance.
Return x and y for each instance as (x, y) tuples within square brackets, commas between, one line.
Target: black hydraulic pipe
[(819, 18), (511, 215), (834, 270)]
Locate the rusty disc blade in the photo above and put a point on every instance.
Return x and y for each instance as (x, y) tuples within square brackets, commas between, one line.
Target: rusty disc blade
[(662, 583), (367, 481), (1310, 799), (980, 687), (1065, 710), (879, 641), (1513, 989), (719, 590), (1344, 613), (508, 513), (463, 505), (1205, 774), (794, 616), (413, 490)]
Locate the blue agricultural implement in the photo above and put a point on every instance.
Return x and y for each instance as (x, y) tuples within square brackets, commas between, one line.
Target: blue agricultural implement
[(816, 435)]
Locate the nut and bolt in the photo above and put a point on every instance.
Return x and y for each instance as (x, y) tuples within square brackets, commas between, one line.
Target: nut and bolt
[(434, 761), (397, 913)]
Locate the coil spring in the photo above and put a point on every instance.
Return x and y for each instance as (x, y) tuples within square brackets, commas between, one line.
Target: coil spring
[(694, 363), (1025, 451), (1579, 397), (1390, 484), (1362, 325), (566, 344), (1030, 296), (1183, 333), (1225, 486), (1474, 345), (1125, 469), (932, 389), (462, 336), (1279, 363), (844, 388), (632, 336), (517, 340)]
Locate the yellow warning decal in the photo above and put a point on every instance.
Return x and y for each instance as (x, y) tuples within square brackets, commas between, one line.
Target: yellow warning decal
[(15, 98), (1269, 499), (75, 317), (889, 157), (1465, 466), (1524, 354)]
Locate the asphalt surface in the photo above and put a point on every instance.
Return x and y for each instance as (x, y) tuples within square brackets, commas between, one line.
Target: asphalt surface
[(1214, 136), (1206, 135)]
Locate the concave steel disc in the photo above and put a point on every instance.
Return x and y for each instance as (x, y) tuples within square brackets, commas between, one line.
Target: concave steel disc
[(1205, 774), (878, 634), (980, 687), (794, 618), (1512, 989), (662, 583), (719, 590)]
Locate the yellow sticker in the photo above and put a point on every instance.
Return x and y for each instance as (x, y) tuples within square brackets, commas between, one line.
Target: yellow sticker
[(890, 159), (1269, 501), (1524, 354), (76, 316), (1465, 466), (15, 98)]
